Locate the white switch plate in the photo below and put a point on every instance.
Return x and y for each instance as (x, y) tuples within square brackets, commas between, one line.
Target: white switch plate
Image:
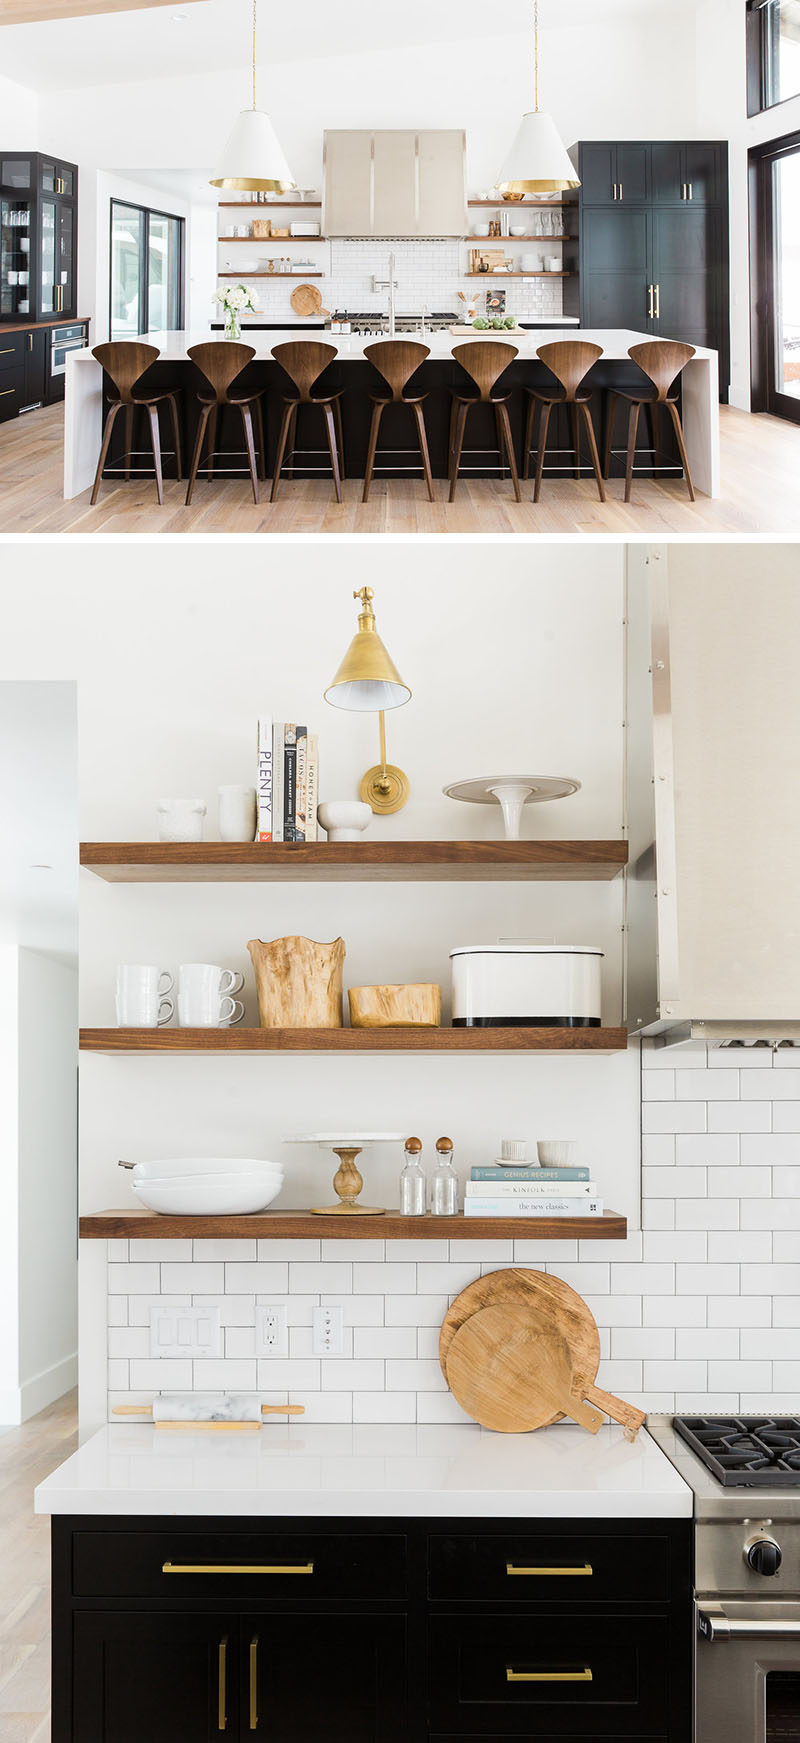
[(185, 1331), (326, 1330), (272, 1332)]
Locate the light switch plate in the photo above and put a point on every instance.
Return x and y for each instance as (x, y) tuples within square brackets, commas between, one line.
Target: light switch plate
[(185, 1331)]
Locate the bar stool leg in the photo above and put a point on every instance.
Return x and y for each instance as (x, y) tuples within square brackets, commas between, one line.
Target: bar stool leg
[(337, 412), (260, 432), (533, 407), (650, 411), (330, 426), (212, 442), (544, 425), (110, 421), (155, 437), (576, 440), (198, 450), (129, 409), (675, 416), (288, 413), (633, 426), (247, 422), (451, 435), (374, 427), (587, 417), (458, 444), (611, 412), (423, 448), (291, 439), (500, 444), (176, 431), (505, 426)]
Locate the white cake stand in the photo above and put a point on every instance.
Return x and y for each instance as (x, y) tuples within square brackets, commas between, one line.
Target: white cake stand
[(513, 794), (347, 1180)]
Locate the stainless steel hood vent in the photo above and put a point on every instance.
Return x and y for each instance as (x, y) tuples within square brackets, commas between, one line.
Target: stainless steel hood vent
[(713, 784), (396, 186)]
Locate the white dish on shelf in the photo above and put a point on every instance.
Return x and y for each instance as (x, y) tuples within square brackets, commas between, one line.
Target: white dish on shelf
[(190, 1167), (239, 1195), (329, 1138), (512, 793)]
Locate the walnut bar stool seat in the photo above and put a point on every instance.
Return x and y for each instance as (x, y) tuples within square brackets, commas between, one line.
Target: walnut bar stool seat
[(569, 361), (397, 360), (662, 361), (125, 361), (485, 360), (304, 362), (221, 361)]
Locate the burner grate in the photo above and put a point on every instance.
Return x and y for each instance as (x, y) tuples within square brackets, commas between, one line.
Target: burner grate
[(746, 1451)]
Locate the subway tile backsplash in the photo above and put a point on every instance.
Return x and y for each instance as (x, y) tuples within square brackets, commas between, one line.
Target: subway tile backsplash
[(698, 1310)]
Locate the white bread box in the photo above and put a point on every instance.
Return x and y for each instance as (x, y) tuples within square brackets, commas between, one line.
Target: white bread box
[(526, 986)]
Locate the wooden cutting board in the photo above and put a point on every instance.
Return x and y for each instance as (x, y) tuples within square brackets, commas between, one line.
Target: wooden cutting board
[(306, 299), (513, 1373), (559, 1306)]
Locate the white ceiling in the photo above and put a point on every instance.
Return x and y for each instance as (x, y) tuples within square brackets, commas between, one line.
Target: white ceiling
[(163, 42)]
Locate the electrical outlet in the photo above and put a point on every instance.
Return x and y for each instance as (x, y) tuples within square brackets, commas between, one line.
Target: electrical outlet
[(326, 1332), (185, 1331), (272, 1335)]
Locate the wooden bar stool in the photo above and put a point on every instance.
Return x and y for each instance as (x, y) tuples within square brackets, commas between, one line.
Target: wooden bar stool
[(397, 360), (485, 360), (662, 361), (304, 361), (569, 361), (221, 361), (125, 361)]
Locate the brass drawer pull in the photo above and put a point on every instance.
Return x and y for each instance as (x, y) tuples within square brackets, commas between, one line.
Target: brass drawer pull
[(222, 1714), (551, 1572), (216, 1567), (7, 392), (254, 1685), (8, 352), (548, 1675)]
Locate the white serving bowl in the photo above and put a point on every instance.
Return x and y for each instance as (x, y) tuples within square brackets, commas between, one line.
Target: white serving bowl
[(518, 230), (228, 1197), (192, 1166)]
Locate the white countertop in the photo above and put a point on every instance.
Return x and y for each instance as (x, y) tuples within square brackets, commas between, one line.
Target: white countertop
[(615, 343), (369, 1472)]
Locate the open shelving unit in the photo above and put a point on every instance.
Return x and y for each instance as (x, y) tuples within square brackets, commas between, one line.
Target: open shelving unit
[(400, 1040), (131, 862), (298, 1225)]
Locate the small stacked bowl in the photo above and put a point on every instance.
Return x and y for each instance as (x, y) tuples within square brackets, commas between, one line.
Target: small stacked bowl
[(206, 1186)]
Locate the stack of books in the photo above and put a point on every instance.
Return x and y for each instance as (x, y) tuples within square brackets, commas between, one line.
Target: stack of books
[(530, 1192), (288, 781)]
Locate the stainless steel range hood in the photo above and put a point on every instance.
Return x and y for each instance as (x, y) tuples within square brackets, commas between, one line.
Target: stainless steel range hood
[(394, 185), (713, 771)]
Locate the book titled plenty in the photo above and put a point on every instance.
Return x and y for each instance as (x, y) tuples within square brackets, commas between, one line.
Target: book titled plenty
[(531, 1189), (533, 1207)]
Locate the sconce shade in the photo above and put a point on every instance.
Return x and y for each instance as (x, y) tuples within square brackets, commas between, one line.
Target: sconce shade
[(367, 681)]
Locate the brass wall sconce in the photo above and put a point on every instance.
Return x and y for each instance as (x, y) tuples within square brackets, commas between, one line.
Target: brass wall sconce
[(368, 682)]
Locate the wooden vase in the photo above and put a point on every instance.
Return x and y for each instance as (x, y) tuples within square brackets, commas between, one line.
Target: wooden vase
[(299, 982)]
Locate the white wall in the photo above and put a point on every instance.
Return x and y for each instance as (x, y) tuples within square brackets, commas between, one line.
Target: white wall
[(97, 189), (19, 108), (9, 1186)]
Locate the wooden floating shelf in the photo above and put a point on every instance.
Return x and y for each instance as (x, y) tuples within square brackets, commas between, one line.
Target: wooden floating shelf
[(268, 205), (261, 239), (530, 236), (200, 1041), (303, 275), (134, 862), (490, 277), (296, 1225), (502, 205)]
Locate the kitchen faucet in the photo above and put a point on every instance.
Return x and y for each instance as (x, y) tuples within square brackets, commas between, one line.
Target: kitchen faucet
[(391, 285)]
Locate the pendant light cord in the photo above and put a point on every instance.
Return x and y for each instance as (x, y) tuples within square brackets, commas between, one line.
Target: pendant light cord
[(535, 53), (255, 22)]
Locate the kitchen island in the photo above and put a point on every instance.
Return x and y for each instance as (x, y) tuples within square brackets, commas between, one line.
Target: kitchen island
[(384, 1584), (351, 371)]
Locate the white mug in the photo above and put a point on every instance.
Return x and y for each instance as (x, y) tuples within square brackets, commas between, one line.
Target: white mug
[(237, 813), (204, 990), (181, 819), (141, 998)]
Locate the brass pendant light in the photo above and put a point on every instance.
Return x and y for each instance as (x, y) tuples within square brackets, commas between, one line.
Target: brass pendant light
[(253, 160), (368, 682), (538, 162)]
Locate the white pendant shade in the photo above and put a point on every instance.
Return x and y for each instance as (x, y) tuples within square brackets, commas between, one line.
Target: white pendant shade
[(253, 158), (537, 162)]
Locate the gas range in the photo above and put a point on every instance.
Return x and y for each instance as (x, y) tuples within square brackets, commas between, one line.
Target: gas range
[(376, 326), (746, 1452)]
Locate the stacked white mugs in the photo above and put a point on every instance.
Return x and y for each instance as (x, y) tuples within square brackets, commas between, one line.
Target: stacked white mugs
[(142, 1001), (204, 996)]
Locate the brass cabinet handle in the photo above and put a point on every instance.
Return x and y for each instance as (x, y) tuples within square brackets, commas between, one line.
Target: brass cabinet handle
[(30, 341), (222, 1687), (254, 1684), (551, 1572), (8, 349), (691, 191), (7, 392), (216, 1567), (614, 190), (548, 1675), (620, 190), (658, 302), (650, 294)]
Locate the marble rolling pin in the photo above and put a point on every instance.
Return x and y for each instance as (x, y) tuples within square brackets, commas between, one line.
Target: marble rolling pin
[(208, 1410)]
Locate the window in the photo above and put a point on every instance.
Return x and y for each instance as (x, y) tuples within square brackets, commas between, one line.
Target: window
[(773, 53), (146, 290), (775, 276)]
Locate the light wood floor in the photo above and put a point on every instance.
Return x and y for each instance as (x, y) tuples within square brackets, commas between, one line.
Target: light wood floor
[(760, 475), (27, 1455)]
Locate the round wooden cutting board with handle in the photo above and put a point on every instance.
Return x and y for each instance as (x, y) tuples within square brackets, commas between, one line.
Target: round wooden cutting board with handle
[(306, 299), (561, 1307), (513, 1373)]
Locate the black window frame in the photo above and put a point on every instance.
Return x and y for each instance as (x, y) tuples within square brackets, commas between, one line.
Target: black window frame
[(760, 51), (147, 212), (765, 395)]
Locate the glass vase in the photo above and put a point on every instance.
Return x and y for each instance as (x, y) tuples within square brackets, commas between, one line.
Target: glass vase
[(233, 325)]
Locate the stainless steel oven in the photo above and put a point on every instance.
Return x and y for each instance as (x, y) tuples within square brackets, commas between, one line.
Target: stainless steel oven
[(748, 1672), (62, 341)]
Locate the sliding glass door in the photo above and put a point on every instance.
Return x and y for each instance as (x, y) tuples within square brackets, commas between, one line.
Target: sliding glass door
[(146, 289), (775, 263)]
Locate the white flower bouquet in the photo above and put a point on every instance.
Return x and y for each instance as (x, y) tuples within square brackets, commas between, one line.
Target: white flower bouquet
[(236, 300)]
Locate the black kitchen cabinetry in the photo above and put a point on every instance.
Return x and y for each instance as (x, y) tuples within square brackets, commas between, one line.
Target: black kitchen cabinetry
[(371, 1631), (32, 361), (652, 249), (38, 237)]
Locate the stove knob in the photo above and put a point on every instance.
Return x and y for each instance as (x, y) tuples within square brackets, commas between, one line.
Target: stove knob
[(763, 1555)]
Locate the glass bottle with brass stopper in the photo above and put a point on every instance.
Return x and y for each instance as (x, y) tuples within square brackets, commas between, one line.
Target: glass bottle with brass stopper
[(444, 1185), (413, 1192)]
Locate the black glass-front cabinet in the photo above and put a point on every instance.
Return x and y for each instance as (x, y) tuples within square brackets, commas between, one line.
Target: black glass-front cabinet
[(38, 237)]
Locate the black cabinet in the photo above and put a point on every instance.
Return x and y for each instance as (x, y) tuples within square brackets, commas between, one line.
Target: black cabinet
[(361, 1631), (652, 222), (38, 237)]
